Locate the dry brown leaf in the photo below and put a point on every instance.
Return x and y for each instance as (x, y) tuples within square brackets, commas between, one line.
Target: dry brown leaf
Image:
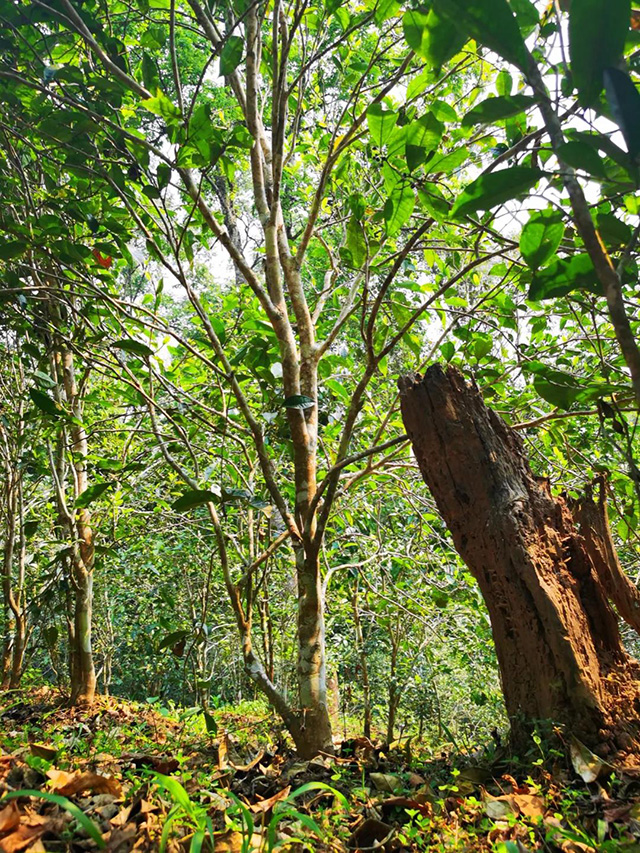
[(122, 817), (43, 751), (59, 778), (67, 785), (244, 767), (587, 764), (121, 839), (223, 751), (530, 805), (371, 833), (9, 817), (498, 807), (231, 842), (265, 805), (27, 833)]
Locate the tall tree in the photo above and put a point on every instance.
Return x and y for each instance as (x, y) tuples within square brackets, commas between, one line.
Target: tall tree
[(316, 263)]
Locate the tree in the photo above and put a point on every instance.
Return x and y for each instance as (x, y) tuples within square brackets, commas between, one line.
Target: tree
[(326, 264)]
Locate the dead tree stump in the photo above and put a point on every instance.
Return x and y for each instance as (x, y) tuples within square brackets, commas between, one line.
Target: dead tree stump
[(546, 586)]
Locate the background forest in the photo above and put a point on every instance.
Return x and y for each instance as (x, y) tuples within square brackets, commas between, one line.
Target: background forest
[(227, 229)]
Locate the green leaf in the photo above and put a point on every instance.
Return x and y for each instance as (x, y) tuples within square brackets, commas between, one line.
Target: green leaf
[(494, 109), (231, 55), (540, 237), (10, 249), (526, 15), (504, 83), (398, 208), (432, 36), (597, 32), (133, 346), (194, 498), (491, 23), (161, 106), (91, 494), (76, 813), (447, 163), (558, 388), (381, 123), (45, 403), (163, 175), (581, 156), (210, 723), (385, 9), (433, 201), (356, 242), (30, 528), (176, 791), (624, 102), (44, 379), (422, 136), (298, 401), (563, 276), (613, 231), (150, 74), (495, 188), (172, 638)]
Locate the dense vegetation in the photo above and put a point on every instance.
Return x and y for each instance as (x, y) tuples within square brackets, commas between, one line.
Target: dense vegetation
[(227, 230)]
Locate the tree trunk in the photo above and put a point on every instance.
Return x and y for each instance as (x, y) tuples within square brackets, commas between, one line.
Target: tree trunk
[(314, 734), (9, 602), (556, 635), (364, 666), (83, 678)]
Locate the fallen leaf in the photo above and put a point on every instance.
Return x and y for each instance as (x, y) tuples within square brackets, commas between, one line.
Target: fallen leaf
[(244, 767), (119, 839), (498, 807), (371, 834), (530, 805), (43, 751), (586, 764), (223, 752), (233, 842), (9, 817), (67, 784), (27, 833), (385, 782), (265, 805)]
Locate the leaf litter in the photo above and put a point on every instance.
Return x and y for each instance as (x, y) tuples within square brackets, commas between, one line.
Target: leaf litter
[(164, 784)]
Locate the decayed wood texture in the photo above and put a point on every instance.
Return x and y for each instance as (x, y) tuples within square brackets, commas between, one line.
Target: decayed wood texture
[(556, 635)]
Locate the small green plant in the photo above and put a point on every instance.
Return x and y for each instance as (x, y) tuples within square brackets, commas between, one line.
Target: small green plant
[(196, 818), (184, 809)]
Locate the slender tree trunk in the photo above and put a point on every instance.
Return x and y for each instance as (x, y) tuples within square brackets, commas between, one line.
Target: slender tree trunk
[(83, 685), (10, 606), (394, 687), (364, 667), (315, 726), (20, 632), (556, 635)]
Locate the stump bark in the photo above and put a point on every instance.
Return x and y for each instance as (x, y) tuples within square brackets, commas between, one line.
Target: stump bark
[(547, 585)]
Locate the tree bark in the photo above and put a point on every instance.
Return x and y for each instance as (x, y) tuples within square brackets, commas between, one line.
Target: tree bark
[(556, 635), (364, 666), (314, 734)]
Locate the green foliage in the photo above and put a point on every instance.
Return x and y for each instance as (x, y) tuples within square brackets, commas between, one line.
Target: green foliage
[(495, 188), (597, 33)]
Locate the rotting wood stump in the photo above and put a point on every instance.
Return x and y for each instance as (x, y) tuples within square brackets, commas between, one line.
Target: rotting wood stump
[(547, 587)]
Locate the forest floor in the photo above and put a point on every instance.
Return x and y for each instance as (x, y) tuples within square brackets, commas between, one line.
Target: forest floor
[(122, 777)]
